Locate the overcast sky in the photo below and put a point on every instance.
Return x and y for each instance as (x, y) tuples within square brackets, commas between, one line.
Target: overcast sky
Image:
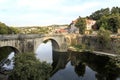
[(48, 12)]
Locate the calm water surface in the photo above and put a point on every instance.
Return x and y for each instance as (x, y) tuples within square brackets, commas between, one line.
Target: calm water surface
[(77, 66), (72, 65)]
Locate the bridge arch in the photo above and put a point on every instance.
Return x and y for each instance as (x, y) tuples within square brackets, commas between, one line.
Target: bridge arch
[(6, 51), (7, 54), (11, 48), (55, 45)]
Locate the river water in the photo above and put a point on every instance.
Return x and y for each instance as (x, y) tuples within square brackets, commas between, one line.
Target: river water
[(77, 66), (73, 65)]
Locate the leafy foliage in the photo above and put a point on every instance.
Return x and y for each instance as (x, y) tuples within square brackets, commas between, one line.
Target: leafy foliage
[(99, 13), (81, 23), (4, 29), (109, 18), (111, 23), (115, 10), (27, 67), (13, 30), (114, 23)]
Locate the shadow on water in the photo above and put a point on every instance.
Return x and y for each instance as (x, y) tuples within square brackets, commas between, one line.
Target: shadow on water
[(83, 66)]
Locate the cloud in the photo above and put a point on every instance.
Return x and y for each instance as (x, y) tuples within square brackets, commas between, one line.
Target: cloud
[(81, 7), (3, 1), (37, 4), (46, 12)]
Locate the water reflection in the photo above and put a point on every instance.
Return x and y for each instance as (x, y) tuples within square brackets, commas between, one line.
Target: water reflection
[(69, 65), (44, 52), (77, 66), (83, 66), (60, 61), (6, 61), (9, 63), (6, 58)]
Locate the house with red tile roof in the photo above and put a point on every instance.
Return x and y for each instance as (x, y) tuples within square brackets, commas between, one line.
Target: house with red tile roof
[(89, 24)]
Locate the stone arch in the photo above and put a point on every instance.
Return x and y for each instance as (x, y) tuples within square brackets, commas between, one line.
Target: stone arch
[(7, 55), (12, 48), (5, 51), (55, 44)]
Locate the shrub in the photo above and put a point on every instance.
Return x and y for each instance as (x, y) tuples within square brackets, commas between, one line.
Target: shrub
[(27, 67)]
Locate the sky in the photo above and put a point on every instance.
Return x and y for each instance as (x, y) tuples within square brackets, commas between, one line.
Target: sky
[(49, 12)]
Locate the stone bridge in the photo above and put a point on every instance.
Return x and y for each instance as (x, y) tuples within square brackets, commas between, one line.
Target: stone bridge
[(30, 42)]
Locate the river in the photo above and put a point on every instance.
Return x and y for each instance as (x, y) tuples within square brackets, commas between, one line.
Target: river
[(74, 65)]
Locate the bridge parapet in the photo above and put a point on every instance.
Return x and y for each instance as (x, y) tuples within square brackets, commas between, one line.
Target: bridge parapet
[(26, 36), (20, 36)]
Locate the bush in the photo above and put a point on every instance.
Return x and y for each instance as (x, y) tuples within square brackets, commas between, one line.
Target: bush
[(13, 30), (3, 28), (27, 67)]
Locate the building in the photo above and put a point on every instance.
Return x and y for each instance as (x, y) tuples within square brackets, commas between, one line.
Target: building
[(118, 31), (89, 24), (88, 29), (72, 28)]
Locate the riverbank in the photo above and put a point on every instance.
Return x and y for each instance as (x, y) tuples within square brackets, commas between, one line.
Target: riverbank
[(113, 58), (77, 49)]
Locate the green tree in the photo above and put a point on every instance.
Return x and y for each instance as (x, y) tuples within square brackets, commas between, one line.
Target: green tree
[(27, 67), (115, 10), (103, 21), (3, 28), (13, 30), (114, 23), (111, 23), (81, 24), (99, 13)]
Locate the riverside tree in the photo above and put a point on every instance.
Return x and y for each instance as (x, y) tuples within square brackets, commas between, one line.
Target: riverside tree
[(27, 67), (81, 23), (110, 18)]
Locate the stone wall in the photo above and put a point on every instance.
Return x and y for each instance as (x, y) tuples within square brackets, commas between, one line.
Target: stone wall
[(92, 42), (30, 42)]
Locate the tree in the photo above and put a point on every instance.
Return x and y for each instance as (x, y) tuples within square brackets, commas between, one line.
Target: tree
[(13, 30), (99, 13), (102, 22), (111, 22), (81, 23), (114, 23), (3, 28), (27, 67), (115, 10)]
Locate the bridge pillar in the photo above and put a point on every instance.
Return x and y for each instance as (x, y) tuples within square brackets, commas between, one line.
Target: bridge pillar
[(26, 45)]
